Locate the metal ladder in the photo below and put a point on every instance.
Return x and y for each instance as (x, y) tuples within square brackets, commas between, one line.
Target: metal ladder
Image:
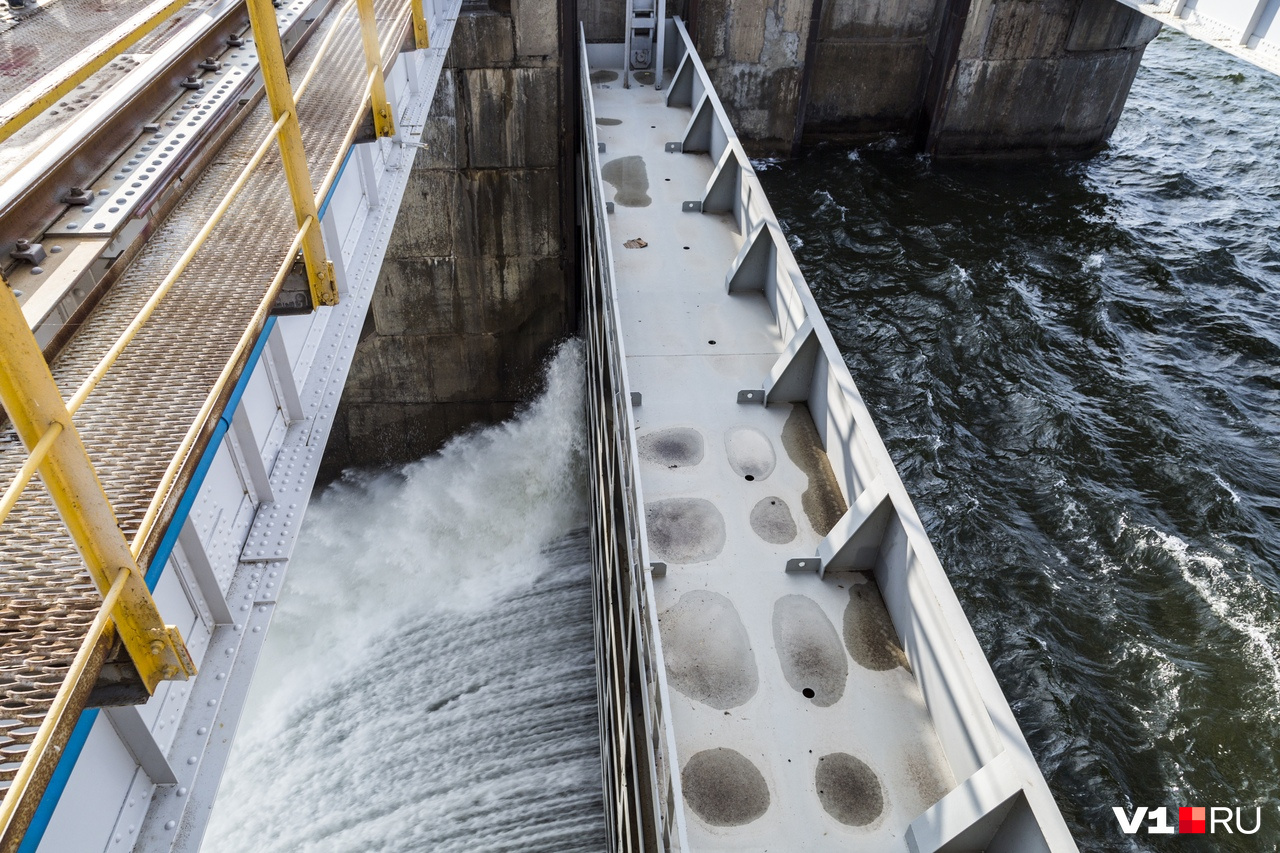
[(646, 34)]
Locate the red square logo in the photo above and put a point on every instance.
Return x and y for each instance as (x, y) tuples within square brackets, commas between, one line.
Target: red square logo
[(1191, 819)]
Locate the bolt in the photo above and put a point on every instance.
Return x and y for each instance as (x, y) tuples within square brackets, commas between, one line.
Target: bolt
[(157, 647)]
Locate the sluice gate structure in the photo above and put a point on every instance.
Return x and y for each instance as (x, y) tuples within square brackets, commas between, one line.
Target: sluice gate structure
[(196, 211), (784, 663)]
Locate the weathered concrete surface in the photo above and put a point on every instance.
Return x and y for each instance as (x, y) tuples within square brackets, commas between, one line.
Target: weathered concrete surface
[(963, 77), (870, 67), (475, 290), (1049, 77), (754, 51)]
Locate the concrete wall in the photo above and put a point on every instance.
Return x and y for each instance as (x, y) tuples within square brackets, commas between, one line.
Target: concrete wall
[(870, 67), (962, 77), (1034, 78), (754, 52), (477, 287)]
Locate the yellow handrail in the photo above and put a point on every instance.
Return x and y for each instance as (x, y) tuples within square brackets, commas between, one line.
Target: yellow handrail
[(54, 447)]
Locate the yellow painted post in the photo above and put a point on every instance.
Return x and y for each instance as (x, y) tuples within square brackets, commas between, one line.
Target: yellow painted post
[(383, 122), (421, 37), (275, 77), (31, 398)]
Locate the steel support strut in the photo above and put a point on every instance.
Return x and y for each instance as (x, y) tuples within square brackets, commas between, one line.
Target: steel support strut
[(275, 78), (36, 410)]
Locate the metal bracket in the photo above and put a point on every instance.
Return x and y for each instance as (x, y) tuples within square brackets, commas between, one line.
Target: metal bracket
[(658, 570), (608, 207), (804, 564), (32, 253), (692, 206), (675, 147), (751, 395), (600, 145), (635, 398)]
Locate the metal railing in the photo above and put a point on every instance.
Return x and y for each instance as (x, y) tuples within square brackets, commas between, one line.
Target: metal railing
[(640, 769), (45, 425)]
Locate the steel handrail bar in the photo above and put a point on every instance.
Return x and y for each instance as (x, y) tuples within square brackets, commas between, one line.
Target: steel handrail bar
[(225, 378), (59, 82), (28, 469), (40, 743), (322, 49)]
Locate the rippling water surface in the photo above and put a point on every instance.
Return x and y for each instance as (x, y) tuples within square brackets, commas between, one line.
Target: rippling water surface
[(1077, 369), (429, 681)]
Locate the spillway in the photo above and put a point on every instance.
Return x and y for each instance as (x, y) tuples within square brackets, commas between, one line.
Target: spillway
[(429, 682)]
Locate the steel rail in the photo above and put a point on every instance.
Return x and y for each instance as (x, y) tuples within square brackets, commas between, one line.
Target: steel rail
[(44, 735), (73, 72)]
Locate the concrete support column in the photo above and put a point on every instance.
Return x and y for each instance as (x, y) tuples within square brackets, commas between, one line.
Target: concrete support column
[(1033, 77), (755, 51), (477, 286)]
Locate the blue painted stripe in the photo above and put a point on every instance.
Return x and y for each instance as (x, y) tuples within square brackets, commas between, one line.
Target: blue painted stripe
[(62, 772), (58, 782), (328, 197), (161, 558)]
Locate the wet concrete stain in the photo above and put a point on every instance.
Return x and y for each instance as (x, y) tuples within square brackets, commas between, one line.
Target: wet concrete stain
[(629, 179), (676, 447), (644, 78), (822, 501), (707, 650), (724, 788), (751, 454), (684, 530), (608, 122), (603, 76), (868, 632), (771, 520), (809, 650), (848, 789)]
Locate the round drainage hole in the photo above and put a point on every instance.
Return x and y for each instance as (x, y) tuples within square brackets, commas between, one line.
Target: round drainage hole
[(713, 343), (749, 477), (668, 180), (808, 693), (686, 247)]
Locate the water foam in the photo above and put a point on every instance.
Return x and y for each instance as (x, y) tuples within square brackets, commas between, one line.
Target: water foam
[(429, 681)]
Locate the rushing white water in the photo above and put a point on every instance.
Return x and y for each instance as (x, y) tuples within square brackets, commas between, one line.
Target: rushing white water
[(429, 680)]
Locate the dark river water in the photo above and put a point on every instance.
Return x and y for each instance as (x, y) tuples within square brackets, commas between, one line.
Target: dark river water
[(1077, 369)]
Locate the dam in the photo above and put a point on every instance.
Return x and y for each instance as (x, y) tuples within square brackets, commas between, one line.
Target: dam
[(741, 323)]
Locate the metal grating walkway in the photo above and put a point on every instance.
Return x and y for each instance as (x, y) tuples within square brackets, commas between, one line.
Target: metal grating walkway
[(134, 422)]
